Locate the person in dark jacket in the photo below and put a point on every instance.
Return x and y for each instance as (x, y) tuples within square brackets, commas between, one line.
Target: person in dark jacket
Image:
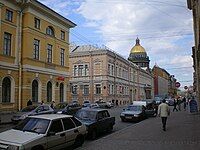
[(175, 104), (29, 102)]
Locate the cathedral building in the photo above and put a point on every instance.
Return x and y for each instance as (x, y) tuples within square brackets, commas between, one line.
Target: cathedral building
[(139, 56)]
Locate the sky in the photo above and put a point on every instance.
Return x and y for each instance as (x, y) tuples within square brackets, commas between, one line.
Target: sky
[(164, 27)]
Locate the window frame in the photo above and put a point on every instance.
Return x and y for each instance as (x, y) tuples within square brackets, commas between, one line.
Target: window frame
[(7, 44), (62, 35), (36, 49), (62, 57), (9, 15), (49, 53), (98, 88), (37, 23)]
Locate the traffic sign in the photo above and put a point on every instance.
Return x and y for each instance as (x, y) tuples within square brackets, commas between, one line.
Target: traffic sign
[(177, 84)]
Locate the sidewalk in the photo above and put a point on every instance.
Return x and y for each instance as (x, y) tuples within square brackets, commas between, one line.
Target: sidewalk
[(183, 133)]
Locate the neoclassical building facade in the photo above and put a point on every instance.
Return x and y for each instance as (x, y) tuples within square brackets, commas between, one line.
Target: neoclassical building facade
[(34, 54), (99, 73)]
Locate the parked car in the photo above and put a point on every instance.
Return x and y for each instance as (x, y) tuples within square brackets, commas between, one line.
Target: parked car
[(170, 101), (94, 105), (41, 132), (70, 109), (150, 107), (133, 113), (158, 100), (103, 104), (31, 111), (86, 103), (96, 120)]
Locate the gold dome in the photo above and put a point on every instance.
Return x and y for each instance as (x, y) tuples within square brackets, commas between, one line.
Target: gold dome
[(138, 48)]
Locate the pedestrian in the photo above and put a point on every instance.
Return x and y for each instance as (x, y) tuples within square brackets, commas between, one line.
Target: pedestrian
[(29, 102), (175, 104), (184, 103), (179, 104), (53, 105), (42, 103), (163, 112)]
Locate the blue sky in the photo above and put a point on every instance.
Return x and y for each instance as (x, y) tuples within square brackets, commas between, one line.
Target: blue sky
[(164, 27)]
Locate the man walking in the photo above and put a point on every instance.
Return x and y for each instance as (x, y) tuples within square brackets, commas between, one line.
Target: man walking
[(163, 112)]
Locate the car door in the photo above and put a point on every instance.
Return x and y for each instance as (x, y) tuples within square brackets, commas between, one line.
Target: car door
[(101, 121), (70, 131), (56, 137)]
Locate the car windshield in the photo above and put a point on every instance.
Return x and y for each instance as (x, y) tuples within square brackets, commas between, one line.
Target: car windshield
[(28, 109), (60, 105), (36, 125), (86, 115), (134, 108)]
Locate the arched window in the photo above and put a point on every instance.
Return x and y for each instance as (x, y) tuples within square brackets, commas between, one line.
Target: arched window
[(61, 92), (50, 31), (6, 90), (35, 91), (49, 91)]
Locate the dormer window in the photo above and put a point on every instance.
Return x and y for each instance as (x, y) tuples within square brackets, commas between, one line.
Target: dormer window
[(50, 31)]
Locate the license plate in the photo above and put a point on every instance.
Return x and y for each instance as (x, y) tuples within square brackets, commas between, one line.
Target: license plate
[(128, 117)]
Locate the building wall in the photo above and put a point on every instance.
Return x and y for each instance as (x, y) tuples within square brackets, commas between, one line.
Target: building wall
[(21, 67), (116, 75), (194, 5)]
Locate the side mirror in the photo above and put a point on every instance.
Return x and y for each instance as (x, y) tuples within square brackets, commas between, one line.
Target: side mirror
[(51, 133)]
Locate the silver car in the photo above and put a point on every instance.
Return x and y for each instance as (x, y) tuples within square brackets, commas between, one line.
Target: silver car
[(52, 131), (31, 111)]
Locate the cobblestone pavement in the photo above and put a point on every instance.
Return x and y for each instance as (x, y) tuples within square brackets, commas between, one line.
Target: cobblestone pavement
[(183, 133)]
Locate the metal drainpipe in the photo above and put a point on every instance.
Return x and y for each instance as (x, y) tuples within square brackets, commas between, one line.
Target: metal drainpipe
[(20, 58)]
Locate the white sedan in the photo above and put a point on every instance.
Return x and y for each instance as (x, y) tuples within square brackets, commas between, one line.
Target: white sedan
[(52, 131)]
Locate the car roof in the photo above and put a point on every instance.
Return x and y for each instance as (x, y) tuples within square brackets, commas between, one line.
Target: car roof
[(51, 116), (93, 109)]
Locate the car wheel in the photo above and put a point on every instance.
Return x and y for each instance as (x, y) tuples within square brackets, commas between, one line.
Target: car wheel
[(38, 147), (79, 141), (123, 120), (110, 128), (93, 135)]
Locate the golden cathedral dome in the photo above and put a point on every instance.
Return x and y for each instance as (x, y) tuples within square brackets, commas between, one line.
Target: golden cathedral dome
[(138, 48)]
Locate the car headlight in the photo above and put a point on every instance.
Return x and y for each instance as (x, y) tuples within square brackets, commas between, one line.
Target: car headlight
[(136, 115), (122, 114)]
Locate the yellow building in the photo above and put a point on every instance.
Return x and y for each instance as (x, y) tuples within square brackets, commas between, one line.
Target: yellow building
[(34, 54)]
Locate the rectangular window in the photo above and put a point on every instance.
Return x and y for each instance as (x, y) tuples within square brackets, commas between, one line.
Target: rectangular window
[(62, 35), (37, 23), (112, 70), (74, 89), (80, 70), (108, 69), (98, 89), (62, 57), (36, 49), (86, 70), (49, 53), (86, 89), (75, 70), (7, 44), (9, 15), (112, 89)]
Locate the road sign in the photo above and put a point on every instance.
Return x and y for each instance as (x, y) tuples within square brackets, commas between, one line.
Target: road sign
[(177, 84)]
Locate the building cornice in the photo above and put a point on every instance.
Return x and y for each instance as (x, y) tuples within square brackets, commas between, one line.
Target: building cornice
[(45, 71)]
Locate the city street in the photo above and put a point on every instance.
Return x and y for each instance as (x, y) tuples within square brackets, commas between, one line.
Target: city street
[(182, 133)]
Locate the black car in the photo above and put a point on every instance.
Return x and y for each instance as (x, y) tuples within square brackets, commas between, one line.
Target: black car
[(133, 113), (96, 121)]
